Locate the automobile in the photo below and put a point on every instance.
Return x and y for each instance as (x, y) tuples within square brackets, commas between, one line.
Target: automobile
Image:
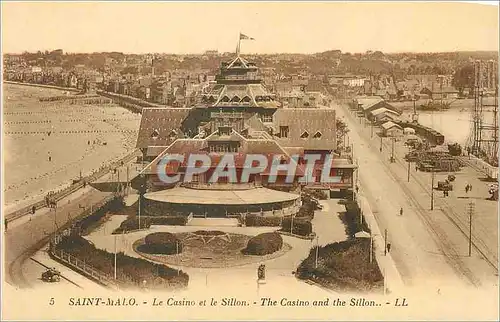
[(51, 275)]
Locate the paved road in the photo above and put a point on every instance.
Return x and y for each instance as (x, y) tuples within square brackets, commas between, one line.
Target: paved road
[(26, 235), (21, 241), (421, 248)]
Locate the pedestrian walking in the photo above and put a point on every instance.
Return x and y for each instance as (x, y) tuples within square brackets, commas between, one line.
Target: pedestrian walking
[(401, 212), (470, 187), (357, 189), (5, 223), (466, 189), (388, 247)]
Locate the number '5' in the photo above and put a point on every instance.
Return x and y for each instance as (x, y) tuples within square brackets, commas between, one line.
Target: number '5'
[(51, 302)]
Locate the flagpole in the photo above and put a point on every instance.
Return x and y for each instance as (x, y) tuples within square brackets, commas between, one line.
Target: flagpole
[(238, 47)]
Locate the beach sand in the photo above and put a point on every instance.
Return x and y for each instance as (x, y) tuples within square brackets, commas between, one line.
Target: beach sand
[(110, 129)]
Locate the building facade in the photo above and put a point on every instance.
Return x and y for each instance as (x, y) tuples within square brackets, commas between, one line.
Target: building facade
[(239, 116)]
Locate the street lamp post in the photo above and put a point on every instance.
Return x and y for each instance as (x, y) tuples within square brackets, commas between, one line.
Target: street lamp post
[(371, 248), (317, 251), (115, 259), (432, 188), (385, 242)]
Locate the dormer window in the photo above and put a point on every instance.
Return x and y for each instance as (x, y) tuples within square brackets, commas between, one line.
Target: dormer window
[(267, 118), (155, 134), (317, 135), (304, 135)]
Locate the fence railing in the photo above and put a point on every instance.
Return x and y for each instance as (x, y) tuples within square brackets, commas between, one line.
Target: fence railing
[(77, 263), (71, 189)]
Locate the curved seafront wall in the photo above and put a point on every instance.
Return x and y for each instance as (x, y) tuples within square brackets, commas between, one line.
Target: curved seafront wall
[(71, 89)]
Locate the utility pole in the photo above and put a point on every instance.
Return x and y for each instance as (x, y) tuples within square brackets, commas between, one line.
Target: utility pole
[(392, 153), (470, 209), (128, 183), (371, 135), (408, 171), (381, 143), (432, 188), (385, 242)]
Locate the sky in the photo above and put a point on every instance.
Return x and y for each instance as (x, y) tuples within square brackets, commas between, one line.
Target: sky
[(292, 27)]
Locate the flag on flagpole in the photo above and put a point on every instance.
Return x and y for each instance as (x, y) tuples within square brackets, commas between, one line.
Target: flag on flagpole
[(243, 36)]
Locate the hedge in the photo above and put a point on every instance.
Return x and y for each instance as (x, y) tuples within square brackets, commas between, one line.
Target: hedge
[(209, 233), (89, 223), (352, 219), (343, 266), (131, 224), (170, 220), (300, 226), (253, 220), (129, 269), (161, 243), (263, 244)]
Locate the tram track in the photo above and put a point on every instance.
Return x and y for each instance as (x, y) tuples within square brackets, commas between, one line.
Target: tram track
[(478, 244), (439, 235)]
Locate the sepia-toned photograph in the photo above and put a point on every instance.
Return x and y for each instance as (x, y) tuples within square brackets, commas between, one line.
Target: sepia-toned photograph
[(249, 160)]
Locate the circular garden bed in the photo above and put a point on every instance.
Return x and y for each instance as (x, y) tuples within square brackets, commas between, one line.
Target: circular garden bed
[(211, 249)]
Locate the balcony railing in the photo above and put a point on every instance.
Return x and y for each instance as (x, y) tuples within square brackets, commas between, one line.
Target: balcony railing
[(221, 186)]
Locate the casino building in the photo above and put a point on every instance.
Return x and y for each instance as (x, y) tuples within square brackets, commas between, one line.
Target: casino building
[(238, 116)]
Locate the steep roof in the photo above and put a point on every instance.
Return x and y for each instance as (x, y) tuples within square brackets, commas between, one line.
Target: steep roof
[(390, 125), (314, 121), (383, 110), (160, 126), (225, 95)]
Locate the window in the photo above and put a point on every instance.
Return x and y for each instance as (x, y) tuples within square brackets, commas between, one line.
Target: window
[(284, 130), (225, 130), (267, 118), (304, 135), (317, 135), (155, 134)]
